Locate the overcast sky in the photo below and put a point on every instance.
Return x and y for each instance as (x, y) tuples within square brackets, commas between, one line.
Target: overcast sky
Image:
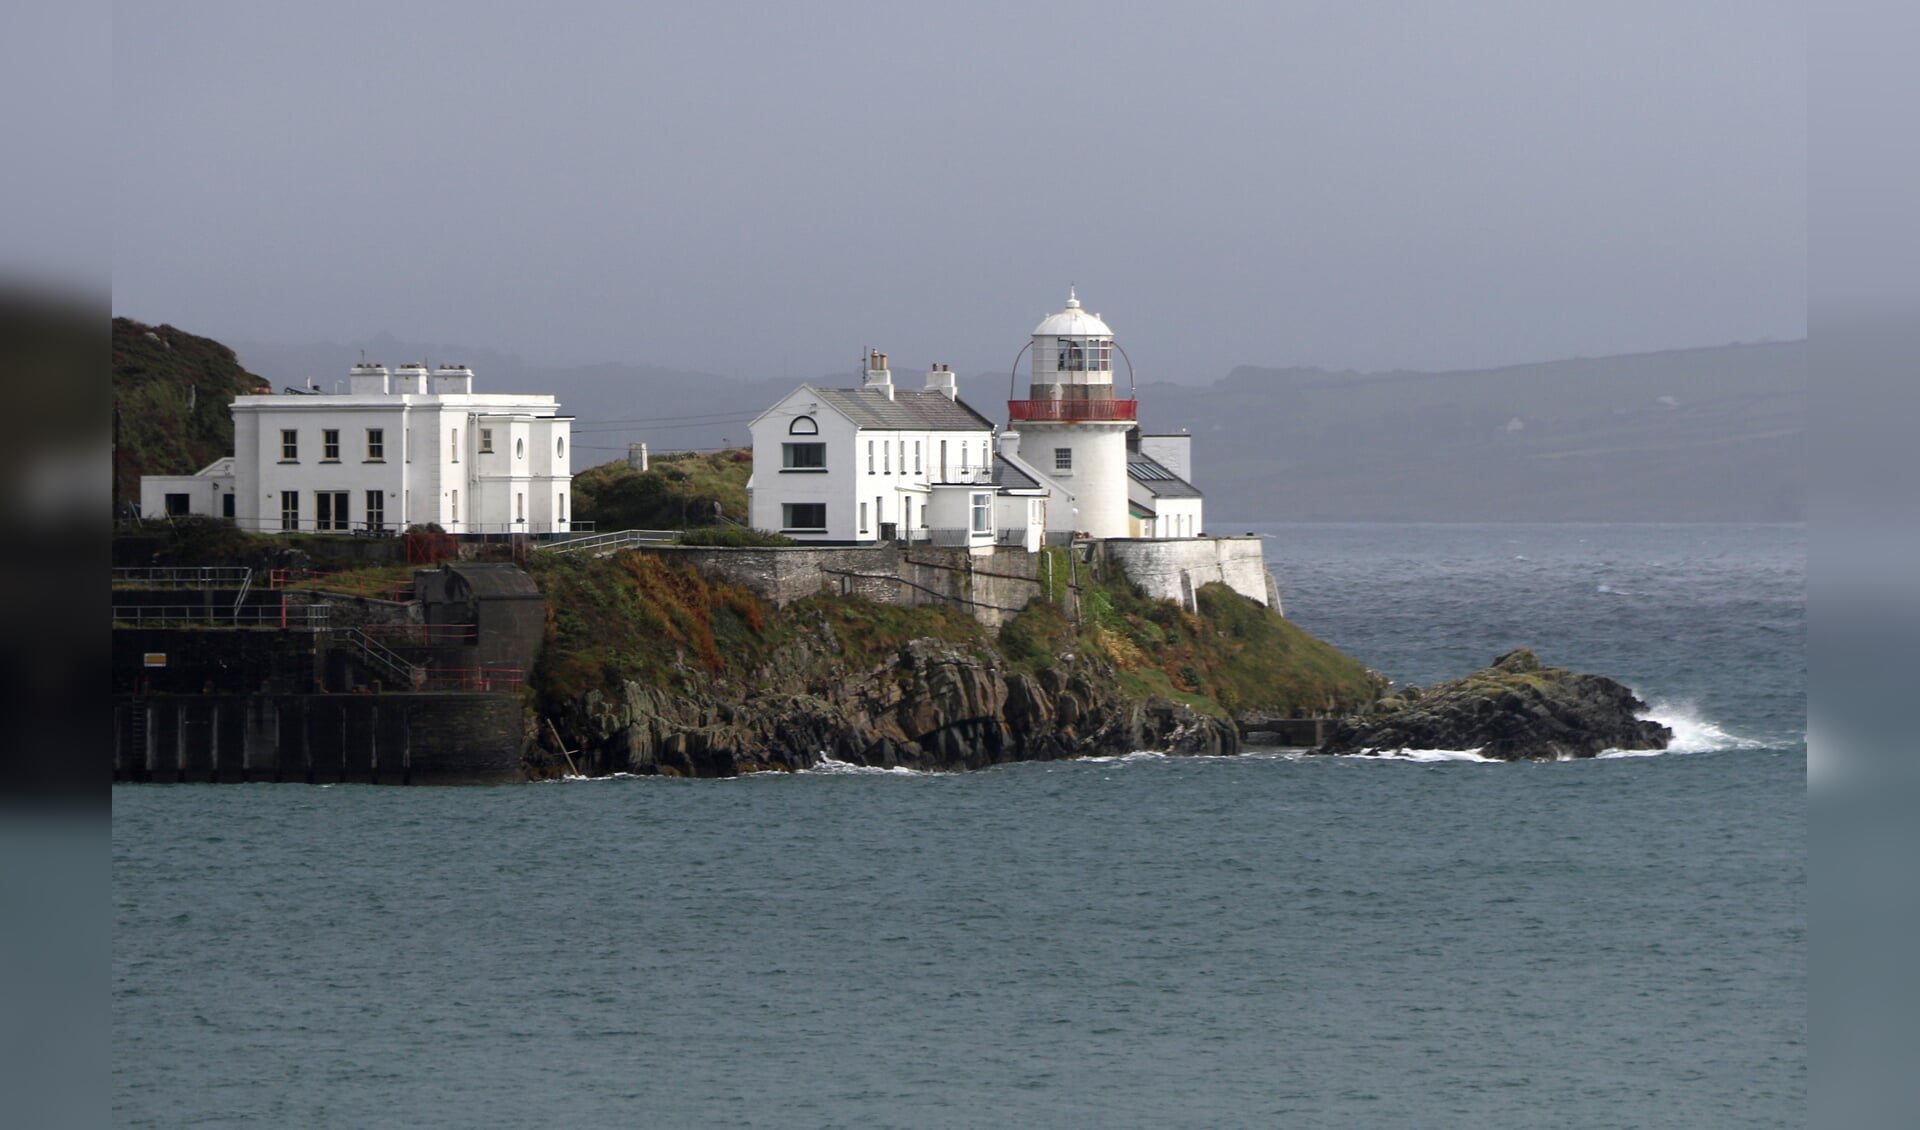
[(766, 189)]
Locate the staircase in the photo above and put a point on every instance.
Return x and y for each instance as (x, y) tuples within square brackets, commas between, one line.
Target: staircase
[(383, 658)]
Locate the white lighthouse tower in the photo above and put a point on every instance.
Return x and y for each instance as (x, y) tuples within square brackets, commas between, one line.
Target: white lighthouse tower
[(1071, 429)]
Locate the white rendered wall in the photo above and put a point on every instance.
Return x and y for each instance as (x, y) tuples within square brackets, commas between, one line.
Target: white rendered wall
[(1092, 497), (204, 493), (1174, 452), (430, 448), (1173, 570), (895, 486)]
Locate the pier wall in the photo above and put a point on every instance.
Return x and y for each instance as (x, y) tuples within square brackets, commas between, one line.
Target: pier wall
[(418, 739)]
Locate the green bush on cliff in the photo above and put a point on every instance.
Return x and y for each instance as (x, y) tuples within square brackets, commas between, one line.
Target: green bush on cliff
[(676, 491)]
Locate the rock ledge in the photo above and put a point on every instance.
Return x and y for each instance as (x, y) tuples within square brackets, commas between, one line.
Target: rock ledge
[(1514, 710)]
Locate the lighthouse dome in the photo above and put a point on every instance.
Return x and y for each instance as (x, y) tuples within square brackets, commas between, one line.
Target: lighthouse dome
[(1072, 321)]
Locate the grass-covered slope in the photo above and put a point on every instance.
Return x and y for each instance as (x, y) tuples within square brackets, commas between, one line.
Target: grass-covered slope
[(1233, 656), (171, 394), (636, 617), (676, 491)]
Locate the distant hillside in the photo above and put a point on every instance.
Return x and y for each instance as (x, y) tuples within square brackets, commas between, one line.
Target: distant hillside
[(171, 392), (1686, 435)]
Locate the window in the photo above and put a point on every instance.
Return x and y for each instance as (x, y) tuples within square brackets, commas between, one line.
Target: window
[(943, 460), (886, 457), (803, 516), (178, 506), (519, 449), (869, 457), (963, 457), (519, 506), (330, 510), (863, 517), (916, 456), (330, 445), (376, 445), (803, 426), (486, 441), (376, 511), (560, 506), (453, 444), (803, 457), (560, 448), (982, 513), (289, 509), (1063, 458), (226, 505), (1084, 356), (289, 445)]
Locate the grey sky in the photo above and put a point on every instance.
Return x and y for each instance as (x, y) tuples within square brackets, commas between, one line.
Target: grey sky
[(754, 189)]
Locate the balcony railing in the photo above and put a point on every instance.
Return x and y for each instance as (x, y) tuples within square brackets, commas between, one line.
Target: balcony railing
[(1072, 411)]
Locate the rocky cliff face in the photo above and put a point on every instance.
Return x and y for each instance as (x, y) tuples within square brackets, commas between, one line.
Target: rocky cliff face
[(934, 706), (1514, 710)]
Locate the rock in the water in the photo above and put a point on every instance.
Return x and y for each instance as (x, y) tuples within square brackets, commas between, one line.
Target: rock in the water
[(1514, 710)]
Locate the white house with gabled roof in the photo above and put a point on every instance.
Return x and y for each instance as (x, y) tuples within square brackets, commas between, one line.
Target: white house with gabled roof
[(880, 463)]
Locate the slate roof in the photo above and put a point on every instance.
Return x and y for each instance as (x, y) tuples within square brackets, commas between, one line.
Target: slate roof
[(1149, 473), (910, 410), (1006, 476)]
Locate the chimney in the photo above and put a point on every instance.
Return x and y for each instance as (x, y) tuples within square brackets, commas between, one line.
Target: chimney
[(878, 376), (940, 380)]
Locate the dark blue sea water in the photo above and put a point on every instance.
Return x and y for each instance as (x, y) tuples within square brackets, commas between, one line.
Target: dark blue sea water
[(1141, 941)]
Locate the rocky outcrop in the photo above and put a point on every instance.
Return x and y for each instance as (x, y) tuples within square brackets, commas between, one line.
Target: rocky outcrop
[(1514, 710), (934, 706)]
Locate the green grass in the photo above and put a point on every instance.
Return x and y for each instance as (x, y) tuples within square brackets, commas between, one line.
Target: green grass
[(677, 491), (1233, 655), (172, 395)]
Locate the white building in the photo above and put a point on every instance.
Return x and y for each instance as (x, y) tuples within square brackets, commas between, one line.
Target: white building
[(399, 448), (1107, 480), (1161, 501), (880, 463)]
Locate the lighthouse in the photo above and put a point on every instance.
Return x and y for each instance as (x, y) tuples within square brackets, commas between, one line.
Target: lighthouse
[(1071, 428)]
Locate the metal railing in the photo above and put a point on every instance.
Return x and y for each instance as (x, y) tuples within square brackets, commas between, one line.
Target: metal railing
[(310, 616), (482, 679), (382, 657), (184, 576), (610, 541), (1071, 411), (423, 635), (353, 583)]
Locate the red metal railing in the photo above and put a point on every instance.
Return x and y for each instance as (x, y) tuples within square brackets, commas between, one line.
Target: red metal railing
[(352, 583), (1072, 411)]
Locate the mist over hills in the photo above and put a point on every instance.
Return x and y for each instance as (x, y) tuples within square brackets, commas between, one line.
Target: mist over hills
[(1708, 434)]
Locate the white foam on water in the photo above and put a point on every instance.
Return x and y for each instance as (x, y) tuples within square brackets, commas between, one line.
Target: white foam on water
[(830, 766), (1692, 732), (1123, 758), (1426, 755)]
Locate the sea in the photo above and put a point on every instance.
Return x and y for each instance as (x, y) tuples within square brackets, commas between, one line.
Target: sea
[(1271, 939)]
